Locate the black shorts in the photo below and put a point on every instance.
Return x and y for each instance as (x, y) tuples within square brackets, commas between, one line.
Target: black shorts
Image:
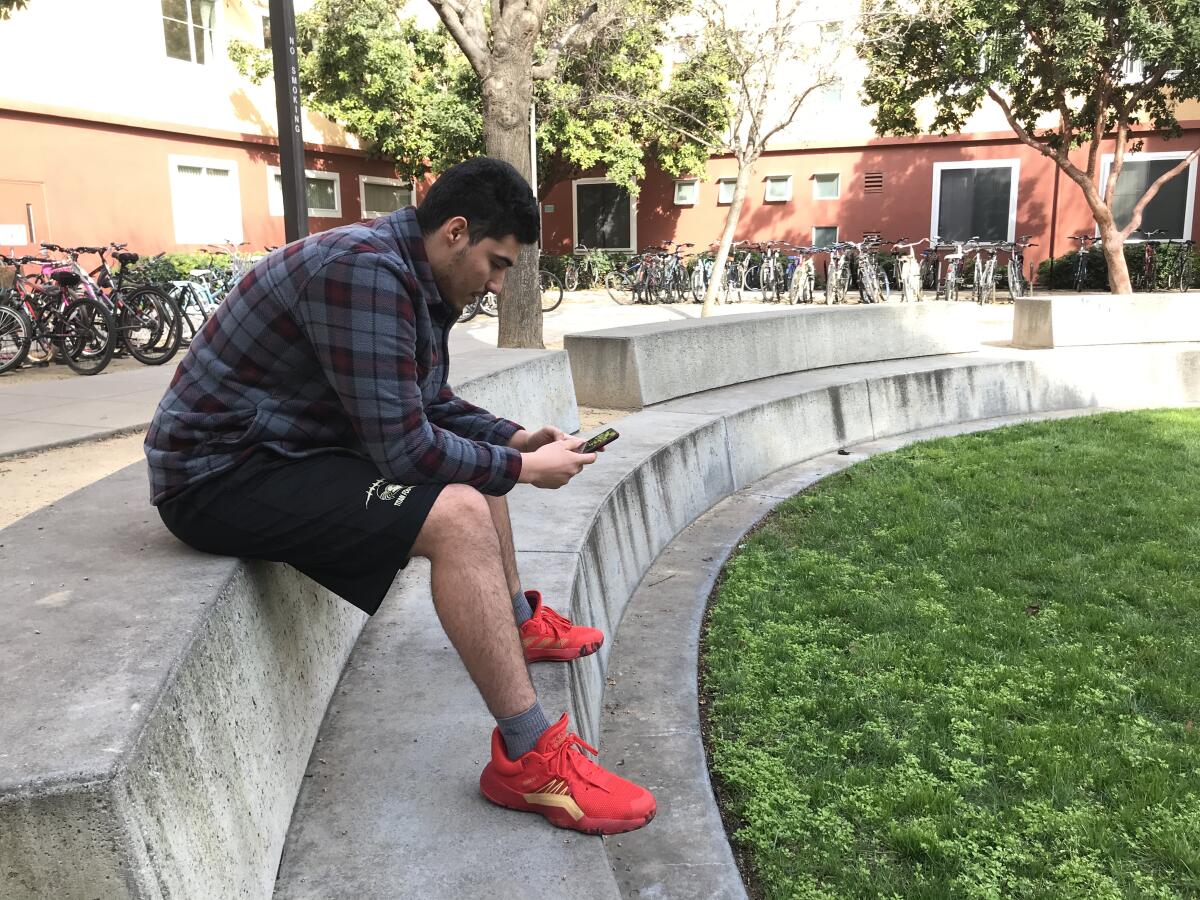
[(332, 516)]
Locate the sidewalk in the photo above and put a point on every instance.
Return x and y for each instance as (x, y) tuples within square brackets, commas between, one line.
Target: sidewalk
[(40, 413)]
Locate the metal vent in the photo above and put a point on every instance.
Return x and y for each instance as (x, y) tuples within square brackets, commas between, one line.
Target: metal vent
[(870, 236), (873, 183)]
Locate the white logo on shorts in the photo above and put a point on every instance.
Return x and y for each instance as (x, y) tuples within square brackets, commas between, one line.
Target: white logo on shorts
[(386, 491)]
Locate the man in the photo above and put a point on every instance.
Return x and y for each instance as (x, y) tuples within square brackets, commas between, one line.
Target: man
[(311, 423)]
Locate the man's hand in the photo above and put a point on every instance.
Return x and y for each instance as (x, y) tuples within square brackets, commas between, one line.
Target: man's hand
[(528, 441), (554, 464)]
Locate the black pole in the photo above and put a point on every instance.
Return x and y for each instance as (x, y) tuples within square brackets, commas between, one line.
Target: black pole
[(291, 132)]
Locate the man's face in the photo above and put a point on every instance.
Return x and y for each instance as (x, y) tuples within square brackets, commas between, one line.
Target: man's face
[(465, 271)]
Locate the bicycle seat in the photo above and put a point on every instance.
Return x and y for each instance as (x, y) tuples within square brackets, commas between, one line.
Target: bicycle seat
[(199, 272), (127, 258), (65, 277)]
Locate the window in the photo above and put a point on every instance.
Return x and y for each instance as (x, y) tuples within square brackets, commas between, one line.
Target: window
[(779, 188), (604, 215), (324, 193), (381, 196), (829, 94), (188, 29), (975, 199), (824, 235), (827, 186), (725, 188), (687, 192), (205, 200), (266, 32), (1171, 208)]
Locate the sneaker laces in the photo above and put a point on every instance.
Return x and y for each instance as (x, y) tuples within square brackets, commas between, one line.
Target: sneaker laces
[(565, 763), (556, 624)]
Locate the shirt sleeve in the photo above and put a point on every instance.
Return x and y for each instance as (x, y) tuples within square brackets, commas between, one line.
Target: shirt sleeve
[(358, 314), (455, 414)]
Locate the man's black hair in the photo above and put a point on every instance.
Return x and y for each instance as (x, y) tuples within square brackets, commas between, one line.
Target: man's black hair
[(490, 194)]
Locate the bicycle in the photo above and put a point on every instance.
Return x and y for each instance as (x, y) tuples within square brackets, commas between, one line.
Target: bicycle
[(772, 278), (908, 269), (873, 284), (1018, 285), (802, 275), (1177, 273), (1081, 260), (587, 270), (984, 282), (837, 272)]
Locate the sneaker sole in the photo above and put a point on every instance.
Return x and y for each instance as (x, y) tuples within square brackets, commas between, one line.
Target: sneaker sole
[(559, 818), (564, 654)]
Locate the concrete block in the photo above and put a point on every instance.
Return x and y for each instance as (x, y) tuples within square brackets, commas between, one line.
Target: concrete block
[(636, 366), (160, 704), (531, 387), (1043, 322)]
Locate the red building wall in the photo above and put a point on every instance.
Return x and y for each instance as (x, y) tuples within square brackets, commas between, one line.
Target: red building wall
[(92, 183), (902, 210)]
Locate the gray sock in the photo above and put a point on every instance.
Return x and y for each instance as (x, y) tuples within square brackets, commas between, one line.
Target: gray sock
[(521, 732), (521, 607)]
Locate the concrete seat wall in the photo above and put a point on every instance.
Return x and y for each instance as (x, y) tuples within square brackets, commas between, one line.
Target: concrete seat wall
[(157, 705), (641, 365), (376, 815), (1044, 322)]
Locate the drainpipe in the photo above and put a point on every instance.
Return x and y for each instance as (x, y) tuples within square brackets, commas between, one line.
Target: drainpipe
[(1053, 222)]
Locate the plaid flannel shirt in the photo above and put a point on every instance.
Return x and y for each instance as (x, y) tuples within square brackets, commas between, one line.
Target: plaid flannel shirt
[(336, 343)]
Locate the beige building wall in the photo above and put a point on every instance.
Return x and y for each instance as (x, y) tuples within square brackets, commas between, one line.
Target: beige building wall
[(106, 61)]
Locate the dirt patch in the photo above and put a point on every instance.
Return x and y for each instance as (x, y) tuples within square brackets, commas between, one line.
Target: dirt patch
[(592, 417), (31, 482)]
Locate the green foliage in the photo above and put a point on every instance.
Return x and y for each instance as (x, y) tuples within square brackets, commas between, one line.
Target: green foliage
[(1063, 275), (174, 266), (411, 95), (1045, 56), (970, 669), (8, 7), (608, 106)]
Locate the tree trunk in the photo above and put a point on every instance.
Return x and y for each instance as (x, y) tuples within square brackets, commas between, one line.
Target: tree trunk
[(745, 170), (1113, 246), (506, 96)]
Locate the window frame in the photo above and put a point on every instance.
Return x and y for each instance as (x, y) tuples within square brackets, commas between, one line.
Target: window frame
[(1014, 184), (1106, 162), (768, 180), (721, 182), (212, 51), (364, 180), (205, 162), (836, 235), (575, 216), (275, 201), (837, 185), (695, 185)]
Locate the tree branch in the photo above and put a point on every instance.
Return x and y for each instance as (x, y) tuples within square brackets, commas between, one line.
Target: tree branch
[(1135, 218), (452, 13), (577, 32)]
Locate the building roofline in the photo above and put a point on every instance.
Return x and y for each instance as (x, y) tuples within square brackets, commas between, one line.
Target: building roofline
[(88, 117)]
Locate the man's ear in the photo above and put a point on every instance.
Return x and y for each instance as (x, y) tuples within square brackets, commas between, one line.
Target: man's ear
[(455, 230)]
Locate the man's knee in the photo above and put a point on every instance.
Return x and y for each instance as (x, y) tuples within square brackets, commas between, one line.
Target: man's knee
[(459, 519)]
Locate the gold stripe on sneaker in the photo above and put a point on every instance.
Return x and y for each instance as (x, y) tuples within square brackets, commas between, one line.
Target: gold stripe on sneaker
[(562, 801)]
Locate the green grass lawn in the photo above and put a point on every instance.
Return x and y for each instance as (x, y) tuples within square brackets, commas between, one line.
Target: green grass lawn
[(970, 668)]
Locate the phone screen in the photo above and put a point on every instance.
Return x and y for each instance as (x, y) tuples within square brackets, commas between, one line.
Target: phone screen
[(607, 436)]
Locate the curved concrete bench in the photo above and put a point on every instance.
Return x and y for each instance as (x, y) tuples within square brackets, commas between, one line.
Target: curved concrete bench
[(1041, 322), (640, 365), (391, 787), (160, 705)]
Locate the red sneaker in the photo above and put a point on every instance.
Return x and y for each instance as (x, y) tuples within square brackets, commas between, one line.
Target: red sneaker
[(547, 635), (556, 779)]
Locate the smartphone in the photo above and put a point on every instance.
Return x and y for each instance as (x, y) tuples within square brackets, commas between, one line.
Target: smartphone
[(603, 439)]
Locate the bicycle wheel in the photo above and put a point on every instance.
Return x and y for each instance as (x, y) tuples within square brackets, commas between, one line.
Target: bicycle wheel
[(552, 290), (1185, 270), (571, 277), (619, 287), (951, 283), (489, 304), (1016, 287), (151, 326), (883, 287), (766, 281), (470, 311), (698, 282), (16, 335), (86, 335)]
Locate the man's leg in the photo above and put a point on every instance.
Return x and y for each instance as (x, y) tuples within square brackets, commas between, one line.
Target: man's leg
[(498, 507), (471, 596)]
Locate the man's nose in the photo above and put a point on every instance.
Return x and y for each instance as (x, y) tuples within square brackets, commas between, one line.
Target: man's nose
[(496, 282)]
